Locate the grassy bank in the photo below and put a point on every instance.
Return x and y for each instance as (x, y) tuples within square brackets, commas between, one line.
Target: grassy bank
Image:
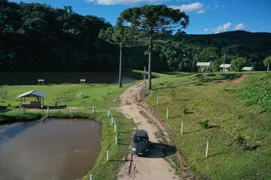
[(233, 115), (102, 97)]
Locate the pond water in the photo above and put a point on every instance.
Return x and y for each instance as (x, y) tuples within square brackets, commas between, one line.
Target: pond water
[(31, 78), (54, 150)]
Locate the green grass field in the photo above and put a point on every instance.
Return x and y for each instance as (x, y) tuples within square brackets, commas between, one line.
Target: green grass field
[(102, 97), (238, 127)]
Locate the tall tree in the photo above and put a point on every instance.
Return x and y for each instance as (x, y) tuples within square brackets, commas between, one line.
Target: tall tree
[(267, 62), (238, 63), (151, 21), (209, 54), (120, 36)]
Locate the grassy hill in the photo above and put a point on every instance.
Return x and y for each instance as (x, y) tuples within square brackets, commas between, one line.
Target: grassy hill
[(231, 111)]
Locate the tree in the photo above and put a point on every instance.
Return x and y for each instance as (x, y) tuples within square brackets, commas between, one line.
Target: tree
[(4, 91), (209, 54), (238, 63), (120, 36), (151, 21), (267, 62)]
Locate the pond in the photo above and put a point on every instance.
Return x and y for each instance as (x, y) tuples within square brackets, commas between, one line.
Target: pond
[(53, 150), (31, 78)]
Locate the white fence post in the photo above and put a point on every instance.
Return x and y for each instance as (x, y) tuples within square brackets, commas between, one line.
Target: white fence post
[(112, 120), (157, 102), (108, 113), (182, 128), (48, 110), (207, 149), (167, 113), (115, 128), (70, 109), (107, 156), (116, 139), (93, 109), (255, 134), (91, 177)]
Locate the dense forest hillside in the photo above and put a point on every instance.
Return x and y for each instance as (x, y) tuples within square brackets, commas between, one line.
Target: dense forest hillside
[(38, 37)]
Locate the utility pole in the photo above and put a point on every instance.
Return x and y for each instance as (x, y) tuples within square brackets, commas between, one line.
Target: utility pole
[(224, 62)]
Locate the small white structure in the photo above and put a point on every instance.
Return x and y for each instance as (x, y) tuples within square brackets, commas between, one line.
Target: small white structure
[(247, 68), (40, 81), (225, 67), (203, 66), (82, 81)]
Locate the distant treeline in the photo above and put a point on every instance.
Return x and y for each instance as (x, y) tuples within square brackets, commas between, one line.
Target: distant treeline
[(38, 37)]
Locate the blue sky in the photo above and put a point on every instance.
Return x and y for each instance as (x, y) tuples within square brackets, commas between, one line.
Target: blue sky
[(206, 16)]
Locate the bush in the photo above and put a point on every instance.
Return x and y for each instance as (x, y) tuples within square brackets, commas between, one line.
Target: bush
[(4, 91), (241, 140), (205, 124)]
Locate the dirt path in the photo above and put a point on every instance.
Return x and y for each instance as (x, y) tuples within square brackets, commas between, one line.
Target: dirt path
[(154, 166)]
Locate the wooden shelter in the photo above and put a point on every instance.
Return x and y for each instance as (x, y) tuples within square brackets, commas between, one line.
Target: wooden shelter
[(38, 103), (225, 67), (204, 66), (247, 68)]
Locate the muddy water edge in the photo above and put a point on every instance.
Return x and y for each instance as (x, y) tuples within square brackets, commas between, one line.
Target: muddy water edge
[(56, 149)]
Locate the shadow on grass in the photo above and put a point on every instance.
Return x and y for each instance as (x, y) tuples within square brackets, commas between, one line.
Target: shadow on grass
[(170, 87), (216, 154), (124, 132), (190, 132), (4, 109), (55, 107)]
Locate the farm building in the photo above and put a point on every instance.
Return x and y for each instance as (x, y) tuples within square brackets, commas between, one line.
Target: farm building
[(225, 67), (38, 97), (247, 68), (204, 66)]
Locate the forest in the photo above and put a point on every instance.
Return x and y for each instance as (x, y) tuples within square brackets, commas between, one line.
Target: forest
[(38, 37)]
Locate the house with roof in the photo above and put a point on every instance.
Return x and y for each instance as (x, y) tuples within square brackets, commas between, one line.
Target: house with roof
[(247, 69), (204, 66), (225, 67)]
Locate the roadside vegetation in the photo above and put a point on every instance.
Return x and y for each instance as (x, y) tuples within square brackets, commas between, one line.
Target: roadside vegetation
[(230, 110), (58, 97)]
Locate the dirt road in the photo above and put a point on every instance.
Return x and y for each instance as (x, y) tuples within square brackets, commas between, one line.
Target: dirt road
[(143, 168)]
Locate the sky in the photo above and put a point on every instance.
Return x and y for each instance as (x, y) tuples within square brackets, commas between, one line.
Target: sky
[(206, 16)]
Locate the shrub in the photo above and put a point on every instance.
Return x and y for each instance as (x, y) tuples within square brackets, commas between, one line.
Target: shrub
[(240, 139), (205, 124), (4, 91)]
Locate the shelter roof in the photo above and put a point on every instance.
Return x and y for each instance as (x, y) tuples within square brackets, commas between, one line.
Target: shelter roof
[(32, 93)]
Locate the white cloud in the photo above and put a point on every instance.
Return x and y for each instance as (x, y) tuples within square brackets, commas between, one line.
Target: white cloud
[(201, 11), (239, 26), (198, 7), (222, 28), (113, 2), (206, 30)]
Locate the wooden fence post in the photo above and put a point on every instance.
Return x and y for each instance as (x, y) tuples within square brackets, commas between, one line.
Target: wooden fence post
[(93, 109), (108, 113), (91, 177), (116, 139), (70, 109), (167, 114), (157, 102)]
